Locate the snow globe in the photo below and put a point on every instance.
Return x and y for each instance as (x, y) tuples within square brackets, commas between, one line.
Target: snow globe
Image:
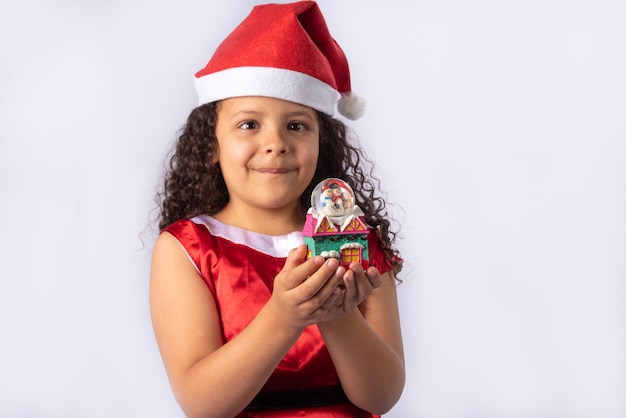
[(335, 225)]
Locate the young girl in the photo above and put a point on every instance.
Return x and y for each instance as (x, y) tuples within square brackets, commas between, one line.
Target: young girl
[(247, 325)]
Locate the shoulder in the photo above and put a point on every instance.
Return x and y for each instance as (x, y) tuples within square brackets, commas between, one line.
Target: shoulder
[(194, 232), (186, 229), (192, 235)]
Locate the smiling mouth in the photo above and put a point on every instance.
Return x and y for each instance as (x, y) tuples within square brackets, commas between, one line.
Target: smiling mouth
[(274, 170)]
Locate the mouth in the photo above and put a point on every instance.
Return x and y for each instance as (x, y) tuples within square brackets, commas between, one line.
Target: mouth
[(272, 170)]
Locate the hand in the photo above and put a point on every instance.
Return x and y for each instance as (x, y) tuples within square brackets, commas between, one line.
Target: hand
[(358, 285), (307, 291)]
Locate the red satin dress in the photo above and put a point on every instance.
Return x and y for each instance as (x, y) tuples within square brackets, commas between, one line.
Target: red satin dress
[(239, 267)]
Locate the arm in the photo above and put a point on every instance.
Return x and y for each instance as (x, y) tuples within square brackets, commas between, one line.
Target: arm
[(213, 378), (366, 347)]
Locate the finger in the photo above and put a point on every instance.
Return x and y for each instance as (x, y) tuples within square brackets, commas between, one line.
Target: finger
[(296, 270), (374, 277), (372, 274), (364, 287), (322, 284), (333, 303), (351, 296), (321, 279), (296, 257)]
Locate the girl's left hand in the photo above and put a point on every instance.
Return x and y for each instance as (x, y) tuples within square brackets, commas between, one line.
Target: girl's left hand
[(358, 284)]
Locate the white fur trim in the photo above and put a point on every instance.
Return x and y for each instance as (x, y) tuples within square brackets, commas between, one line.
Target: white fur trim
[(268, 82), (276, 246)]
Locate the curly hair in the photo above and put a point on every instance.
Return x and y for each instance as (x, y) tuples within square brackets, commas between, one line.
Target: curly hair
[(194, 185)]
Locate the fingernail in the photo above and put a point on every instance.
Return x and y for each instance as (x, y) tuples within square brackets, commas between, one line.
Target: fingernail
[(333, 263)]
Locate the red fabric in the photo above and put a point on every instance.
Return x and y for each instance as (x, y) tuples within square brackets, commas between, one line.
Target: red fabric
[(332, 411), (241, 280)]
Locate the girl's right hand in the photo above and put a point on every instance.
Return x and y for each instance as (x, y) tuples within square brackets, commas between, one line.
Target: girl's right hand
[(307, 291)]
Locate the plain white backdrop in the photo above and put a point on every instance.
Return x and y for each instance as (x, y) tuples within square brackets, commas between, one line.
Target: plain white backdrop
[(500, 135)]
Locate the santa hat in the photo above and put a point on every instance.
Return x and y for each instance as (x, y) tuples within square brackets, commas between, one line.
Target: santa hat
[(283, 51)]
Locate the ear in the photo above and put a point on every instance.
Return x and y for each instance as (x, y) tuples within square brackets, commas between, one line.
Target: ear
[(215, 158)]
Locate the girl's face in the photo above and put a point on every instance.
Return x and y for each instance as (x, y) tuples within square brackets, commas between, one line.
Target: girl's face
[(267, 150)]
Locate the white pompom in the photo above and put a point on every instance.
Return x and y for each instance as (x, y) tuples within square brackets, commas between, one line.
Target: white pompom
[(351, 106)]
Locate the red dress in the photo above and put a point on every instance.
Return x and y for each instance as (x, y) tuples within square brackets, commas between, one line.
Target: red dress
[(239, 267)]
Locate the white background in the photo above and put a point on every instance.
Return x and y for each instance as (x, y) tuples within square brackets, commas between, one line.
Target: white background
[(499, 128)]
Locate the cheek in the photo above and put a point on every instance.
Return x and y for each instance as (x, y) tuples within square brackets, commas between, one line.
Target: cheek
[(233, 154), (230, 164), (313, 153), (311, 163)]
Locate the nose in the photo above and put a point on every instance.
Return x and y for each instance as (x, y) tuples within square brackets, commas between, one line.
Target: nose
[(275, 143)]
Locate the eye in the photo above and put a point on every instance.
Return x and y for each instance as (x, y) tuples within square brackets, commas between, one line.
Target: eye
[(297, 126), (249, 124)]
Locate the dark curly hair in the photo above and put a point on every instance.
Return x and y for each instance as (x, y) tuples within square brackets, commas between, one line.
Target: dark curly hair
[(194, 185)]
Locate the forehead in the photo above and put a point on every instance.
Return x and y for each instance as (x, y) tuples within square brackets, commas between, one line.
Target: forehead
[(263, 105)]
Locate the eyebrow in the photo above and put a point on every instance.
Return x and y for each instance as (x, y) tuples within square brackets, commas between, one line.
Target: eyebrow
[(301, 113), (297, 113)]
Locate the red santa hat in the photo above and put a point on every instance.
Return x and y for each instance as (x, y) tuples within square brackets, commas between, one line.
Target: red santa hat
[(283, 51)]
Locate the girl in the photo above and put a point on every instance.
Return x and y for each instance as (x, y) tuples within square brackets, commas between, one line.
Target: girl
[(248, 326)]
